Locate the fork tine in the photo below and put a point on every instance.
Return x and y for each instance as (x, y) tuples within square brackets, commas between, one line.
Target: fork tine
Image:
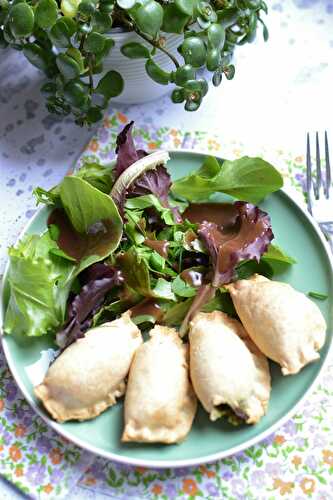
[(317, 184), (328, 168), (308, 173)]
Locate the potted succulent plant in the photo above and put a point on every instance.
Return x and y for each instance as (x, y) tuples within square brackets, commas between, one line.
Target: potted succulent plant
[(96, 50)]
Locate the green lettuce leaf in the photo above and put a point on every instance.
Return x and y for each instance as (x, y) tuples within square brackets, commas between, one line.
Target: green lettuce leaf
[(40, 282), (272, 262), (248, 179), (86, 205), (41, 273), (276, 254), (150, 200), (97, 175), (93, 220), (135, 268), (183, 289)]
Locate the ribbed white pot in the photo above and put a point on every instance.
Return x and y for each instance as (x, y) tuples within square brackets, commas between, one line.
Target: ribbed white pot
[(139, 87)]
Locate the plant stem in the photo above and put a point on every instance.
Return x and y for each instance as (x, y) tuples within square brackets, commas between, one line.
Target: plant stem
[(91, 81), (83, 37), (154, 44), (151, 42)]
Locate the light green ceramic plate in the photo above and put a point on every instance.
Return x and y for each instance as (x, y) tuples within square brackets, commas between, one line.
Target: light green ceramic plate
[(208, 441)]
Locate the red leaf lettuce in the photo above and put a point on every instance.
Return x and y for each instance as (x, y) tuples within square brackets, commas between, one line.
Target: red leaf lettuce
[(156, 181), (248, 240), (98, 280)]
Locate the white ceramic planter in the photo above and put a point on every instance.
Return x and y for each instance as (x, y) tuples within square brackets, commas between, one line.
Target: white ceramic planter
[(139, 87)]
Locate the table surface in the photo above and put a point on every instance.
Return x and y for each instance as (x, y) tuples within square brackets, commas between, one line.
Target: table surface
[(282, 89)]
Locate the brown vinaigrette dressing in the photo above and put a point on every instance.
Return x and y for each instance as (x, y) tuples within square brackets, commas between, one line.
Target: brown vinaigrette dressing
[(76, 244), (147, 307), (224, 215), (192, 277), (160, 246)]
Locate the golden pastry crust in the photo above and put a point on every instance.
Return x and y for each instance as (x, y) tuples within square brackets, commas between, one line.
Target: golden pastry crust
[(285, 324), (89, 375), (160, 404), (227, 368)]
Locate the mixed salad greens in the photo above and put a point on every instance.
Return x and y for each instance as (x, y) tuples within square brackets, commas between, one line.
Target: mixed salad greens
[(123, 236)]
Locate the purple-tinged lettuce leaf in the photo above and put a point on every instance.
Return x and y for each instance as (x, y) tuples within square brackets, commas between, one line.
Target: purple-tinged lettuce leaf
[(126, 152), (204, 294), (156, 181), (249, 240), (99, 280)]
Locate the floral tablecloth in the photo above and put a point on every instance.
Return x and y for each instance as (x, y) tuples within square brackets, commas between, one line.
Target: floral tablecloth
[(297, 461)]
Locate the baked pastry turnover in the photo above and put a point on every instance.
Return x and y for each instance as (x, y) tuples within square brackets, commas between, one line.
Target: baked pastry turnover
[(285, 324), (89, 375), (160, 404), (227, 368)]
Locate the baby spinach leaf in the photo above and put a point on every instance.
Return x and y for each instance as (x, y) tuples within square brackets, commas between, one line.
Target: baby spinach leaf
[(183, 289), (89, 226), (248, 179), (275, 253), (86, 206), (97, 175), (149, 200), (135, 269)]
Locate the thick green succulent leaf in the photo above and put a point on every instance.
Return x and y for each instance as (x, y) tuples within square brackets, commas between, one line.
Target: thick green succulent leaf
[(186, 6), (156, 73), (67, 66), (183, 74), (216, 35), (213, 59), (101, 23), (87, 7), (95, 42), (149, 18), (111, 85), (76, 93), (194, 51), (126, 4), (228, 17), (77, 56), (94, 114), (60, 34), (36, 56), (174, 20), (46, 13), (21, 20), (69, 7), (135, 50)]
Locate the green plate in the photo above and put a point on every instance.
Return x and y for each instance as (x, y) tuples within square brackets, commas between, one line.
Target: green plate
[(208, 441)]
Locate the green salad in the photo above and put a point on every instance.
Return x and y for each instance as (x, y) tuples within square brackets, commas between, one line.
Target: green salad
[(123, 236)]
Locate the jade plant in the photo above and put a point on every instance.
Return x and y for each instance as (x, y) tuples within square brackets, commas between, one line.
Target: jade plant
[(69, 39)]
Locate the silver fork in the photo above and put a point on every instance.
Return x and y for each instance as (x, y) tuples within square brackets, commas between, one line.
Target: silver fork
[(318, 189)]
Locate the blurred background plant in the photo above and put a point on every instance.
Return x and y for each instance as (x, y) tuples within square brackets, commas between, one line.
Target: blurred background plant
[(69, 40)]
